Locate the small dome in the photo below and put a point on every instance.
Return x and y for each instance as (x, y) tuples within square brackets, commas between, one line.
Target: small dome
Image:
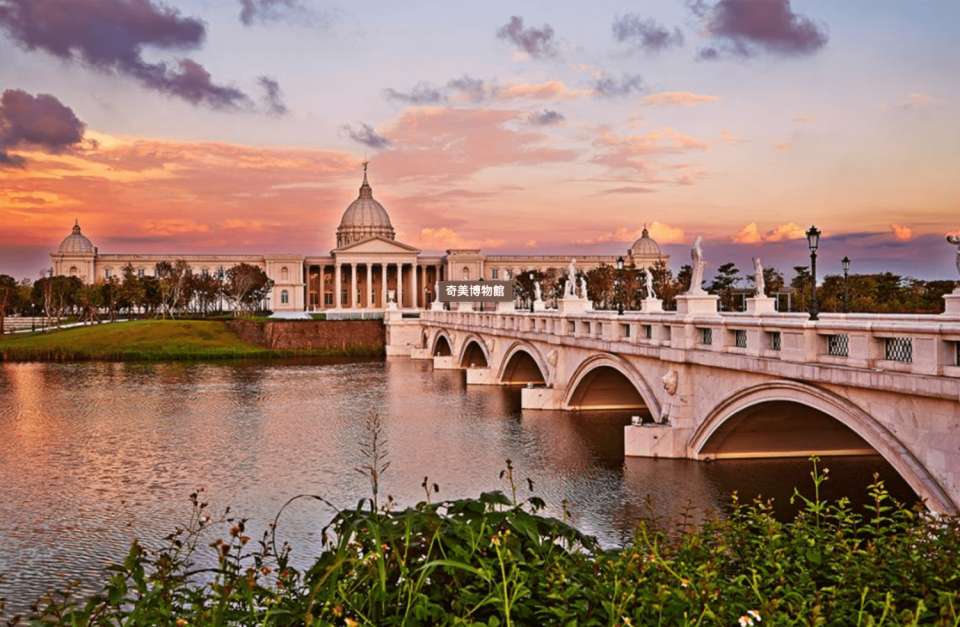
[(645, 246), (76, 243), (364, 218)]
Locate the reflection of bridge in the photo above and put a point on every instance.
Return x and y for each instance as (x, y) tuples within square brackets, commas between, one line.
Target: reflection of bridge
[(732, 385)]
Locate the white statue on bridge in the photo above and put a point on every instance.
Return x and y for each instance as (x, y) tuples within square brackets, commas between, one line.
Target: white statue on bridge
[(583, 289), (538, 294), (758, 280), (696, 254), (436, 292), (571, 290), (648, 277), (955, 239)]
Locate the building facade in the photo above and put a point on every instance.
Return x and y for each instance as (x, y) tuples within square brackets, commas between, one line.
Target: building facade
[(367, 268)]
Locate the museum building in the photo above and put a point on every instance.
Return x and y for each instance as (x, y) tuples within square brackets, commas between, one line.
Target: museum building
[(367, 262)]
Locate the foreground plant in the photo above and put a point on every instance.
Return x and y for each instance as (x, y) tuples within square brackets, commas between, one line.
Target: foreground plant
[(495, 560)]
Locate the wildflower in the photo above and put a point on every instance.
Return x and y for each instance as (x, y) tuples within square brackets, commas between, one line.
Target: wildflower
[(754, 614), (495, 540), (234, 531), (244, 539), (626, 620), (182, 622), (350, 622), (747, 619), (684, 583)]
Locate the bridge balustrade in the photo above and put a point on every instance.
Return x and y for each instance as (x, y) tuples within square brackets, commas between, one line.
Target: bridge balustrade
[(917, 344)]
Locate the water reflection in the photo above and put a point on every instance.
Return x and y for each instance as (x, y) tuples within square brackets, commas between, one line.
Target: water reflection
[(92, 455)]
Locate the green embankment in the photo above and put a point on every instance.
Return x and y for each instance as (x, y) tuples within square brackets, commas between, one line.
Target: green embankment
[(150, 340)]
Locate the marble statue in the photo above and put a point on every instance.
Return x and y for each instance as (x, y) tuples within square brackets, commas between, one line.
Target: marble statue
[(583, 288), (955, 239), (436, 292), (537, 293), (649, 279), (572, 279), (696, 254), (758, 278)]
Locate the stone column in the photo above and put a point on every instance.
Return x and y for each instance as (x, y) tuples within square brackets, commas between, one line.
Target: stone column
[(383, 281), (413, 284), (423, 279), (322, 288), (369, 298), (337, 286), (400, 285), (353, 286)]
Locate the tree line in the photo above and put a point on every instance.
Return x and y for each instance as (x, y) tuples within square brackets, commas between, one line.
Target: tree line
[(174, 289), (867, 293)]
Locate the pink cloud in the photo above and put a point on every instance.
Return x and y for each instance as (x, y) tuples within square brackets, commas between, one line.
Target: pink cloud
[(662, 233), (677, 99), (443, 238)]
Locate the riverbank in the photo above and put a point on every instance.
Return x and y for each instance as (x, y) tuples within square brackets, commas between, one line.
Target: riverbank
[(157, 340), (495, 560)]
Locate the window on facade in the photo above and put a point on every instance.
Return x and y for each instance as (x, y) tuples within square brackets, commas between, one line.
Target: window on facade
[(107, 273), (205, 272), (284, 297), (466, 273), (284, 274), (140, 273), (494, 273), (313, 299), (73, 271), (328, 298), (344, 297)]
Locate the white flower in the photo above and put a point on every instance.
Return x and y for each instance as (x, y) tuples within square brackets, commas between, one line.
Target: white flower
[(754, 614), (746, 621)]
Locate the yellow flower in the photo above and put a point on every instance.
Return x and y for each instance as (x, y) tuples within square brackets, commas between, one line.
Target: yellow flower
[(684, 583)]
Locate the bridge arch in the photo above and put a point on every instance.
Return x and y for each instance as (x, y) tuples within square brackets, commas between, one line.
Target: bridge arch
[(441, 345), (626, 387), (727, 414), (474, 351), (523, 363)]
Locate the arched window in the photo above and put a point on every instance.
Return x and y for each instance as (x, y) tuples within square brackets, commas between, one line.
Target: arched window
[(284, 274), (466, 273), (140, 273), (284, 297), (205, 272), (107, 273), (73, 271)]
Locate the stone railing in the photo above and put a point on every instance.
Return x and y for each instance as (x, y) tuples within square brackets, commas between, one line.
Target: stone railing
[(917, 344)]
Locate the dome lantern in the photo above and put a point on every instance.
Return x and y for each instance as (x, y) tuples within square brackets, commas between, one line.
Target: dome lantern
[(364, 218)]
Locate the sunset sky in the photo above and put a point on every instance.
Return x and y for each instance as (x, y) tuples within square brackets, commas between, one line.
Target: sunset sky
[(539, 127)]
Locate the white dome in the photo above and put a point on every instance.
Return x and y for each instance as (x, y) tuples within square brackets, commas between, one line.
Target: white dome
[(645, 246), (364, 218), (76, 243)]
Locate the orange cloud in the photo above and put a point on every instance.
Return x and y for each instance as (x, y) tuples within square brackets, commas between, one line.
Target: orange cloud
[(548, 90), (174, 226), (783, 147), (750, 234), (660, 232), (901, 232), (443, 238), (634, 151), (677, 99), (805, 118)]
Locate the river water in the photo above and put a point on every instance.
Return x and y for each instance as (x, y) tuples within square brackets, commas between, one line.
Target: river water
[(93, 455)]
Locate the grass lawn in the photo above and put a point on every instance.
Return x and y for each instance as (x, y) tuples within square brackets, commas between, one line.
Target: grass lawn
[(141, 340)]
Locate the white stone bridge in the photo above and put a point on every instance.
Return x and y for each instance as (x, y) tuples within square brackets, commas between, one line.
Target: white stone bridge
[(730, 385)]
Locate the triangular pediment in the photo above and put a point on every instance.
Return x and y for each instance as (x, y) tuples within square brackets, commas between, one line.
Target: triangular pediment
[(376, 245)]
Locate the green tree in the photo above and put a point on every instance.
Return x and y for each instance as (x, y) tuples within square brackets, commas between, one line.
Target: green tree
[(799, 285), (723, 284), (247, 286), (600, 285), (9, 297)]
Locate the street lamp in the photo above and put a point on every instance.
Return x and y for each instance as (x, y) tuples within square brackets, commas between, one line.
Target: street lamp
[(530, 275), (846, 284), (620, 286), (813, 241), (481, 294)]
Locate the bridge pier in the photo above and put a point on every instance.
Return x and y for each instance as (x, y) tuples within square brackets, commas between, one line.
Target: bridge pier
[(654, 440), (541, 398), (482, 376), (448, 362)]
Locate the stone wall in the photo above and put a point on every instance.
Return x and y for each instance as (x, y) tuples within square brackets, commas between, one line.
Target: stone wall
[(310, 334)]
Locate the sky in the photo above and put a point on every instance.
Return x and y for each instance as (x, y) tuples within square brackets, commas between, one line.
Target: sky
[(535, 127)]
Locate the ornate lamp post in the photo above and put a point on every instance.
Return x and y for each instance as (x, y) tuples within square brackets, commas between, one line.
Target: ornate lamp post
[(813, 241), (481, 294), (530, 276), (620, 286), (846, 284)]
